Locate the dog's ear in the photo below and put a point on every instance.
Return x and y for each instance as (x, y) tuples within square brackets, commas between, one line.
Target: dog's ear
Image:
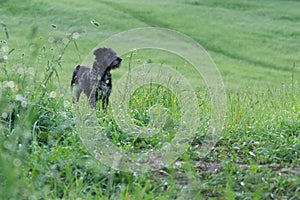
[(103, 58)]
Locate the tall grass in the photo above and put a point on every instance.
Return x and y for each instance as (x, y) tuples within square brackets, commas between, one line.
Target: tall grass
[(257, 157), (43, 157)]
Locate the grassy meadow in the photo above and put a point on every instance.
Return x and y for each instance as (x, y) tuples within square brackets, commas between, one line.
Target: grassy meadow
[(254, 44)]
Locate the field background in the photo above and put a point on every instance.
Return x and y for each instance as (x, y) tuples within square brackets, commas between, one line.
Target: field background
[(255, 45)]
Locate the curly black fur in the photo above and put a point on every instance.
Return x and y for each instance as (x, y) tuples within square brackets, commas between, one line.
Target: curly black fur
[(96, 82)]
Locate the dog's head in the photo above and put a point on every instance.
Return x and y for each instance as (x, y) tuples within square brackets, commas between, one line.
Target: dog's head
[(105, 59)]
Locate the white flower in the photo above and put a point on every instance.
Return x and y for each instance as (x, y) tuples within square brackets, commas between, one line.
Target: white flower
[(75, 35), (251, 153), (4, 115), (20, 70), (4, 48), (64, 114), (30, 71), (20, 97), (10, 84), (66, 104), (51, 39), (52, 94), (65, 40), (24, 104)]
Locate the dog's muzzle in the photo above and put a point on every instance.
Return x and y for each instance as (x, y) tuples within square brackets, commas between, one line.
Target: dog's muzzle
[(116, 63)]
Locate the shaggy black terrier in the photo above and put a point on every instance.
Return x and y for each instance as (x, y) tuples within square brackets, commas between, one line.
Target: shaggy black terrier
[(96, 82)]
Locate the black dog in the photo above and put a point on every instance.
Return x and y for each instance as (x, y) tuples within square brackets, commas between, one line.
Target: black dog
[(96, 82)]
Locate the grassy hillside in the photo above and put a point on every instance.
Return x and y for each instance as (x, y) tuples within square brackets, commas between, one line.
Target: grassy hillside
[(255, 46)]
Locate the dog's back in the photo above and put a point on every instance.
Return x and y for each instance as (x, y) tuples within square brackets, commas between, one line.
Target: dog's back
[(82, 81)]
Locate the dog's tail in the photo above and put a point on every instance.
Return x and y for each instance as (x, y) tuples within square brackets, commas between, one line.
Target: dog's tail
[(74, 76)]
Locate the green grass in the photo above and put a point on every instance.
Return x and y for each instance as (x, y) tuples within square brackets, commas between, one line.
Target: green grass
[(253, 43)]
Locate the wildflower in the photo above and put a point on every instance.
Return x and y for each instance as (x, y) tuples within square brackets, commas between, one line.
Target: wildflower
[(20, 70), (75, 35), (65, 40), (4, 49), (10, 84), (30, 71), (32, 47), (51, 39), (17, 162), (64, 114), (66, 104), (22, 99), (4, 115), (52, 94), (24, 104)]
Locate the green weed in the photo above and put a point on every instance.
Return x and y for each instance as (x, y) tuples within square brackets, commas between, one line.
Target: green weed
[(258, 155)]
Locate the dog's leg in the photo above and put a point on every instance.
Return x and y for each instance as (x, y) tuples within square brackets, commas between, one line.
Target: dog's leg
[(75, 93), (93, 101), (105, 100), (105, 89), (93, 97), (104, 103)]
